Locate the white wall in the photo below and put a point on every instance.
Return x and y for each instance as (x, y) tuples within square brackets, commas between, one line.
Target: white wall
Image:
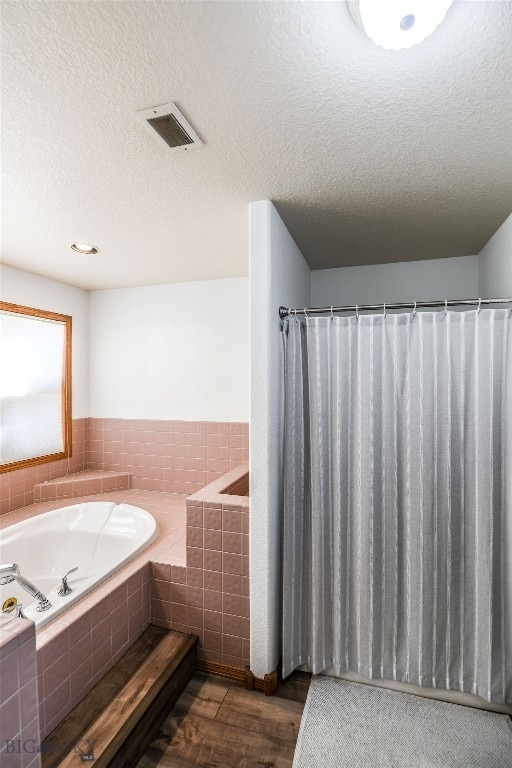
[(452, 278), (495, 264), (177, 351), (278, 275), (29, 290)]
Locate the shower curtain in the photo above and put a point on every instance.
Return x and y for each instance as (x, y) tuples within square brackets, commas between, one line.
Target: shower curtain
[(397, 533)]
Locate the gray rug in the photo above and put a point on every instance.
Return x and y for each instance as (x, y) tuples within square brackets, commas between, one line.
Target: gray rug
[(358, 726)]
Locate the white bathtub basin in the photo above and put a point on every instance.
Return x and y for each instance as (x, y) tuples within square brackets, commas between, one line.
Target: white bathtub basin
[(97, 536)]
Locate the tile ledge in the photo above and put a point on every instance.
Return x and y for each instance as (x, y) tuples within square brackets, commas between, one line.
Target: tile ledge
[(213, 492)]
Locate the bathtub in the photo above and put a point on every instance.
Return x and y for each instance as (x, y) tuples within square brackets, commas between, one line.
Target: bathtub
[(97, 536)]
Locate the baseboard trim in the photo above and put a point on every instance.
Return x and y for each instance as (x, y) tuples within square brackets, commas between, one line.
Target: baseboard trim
[(230, 673), (268, 684)]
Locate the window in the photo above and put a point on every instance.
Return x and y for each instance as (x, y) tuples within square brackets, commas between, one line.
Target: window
[(35, 386)]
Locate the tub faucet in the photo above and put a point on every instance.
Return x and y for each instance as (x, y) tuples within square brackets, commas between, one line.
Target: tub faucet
[(10, 572), (65, 588)]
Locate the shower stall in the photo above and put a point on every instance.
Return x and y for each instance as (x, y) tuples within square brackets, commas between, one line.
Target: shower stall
[(397, 494)]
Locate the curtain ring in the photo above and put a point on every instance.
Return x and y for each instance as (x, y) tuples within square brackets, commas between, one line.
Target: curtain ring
[(332, 313), (384, 312), (446, 306), (414, 310), (479, 305), (357, 312), (306, 313)]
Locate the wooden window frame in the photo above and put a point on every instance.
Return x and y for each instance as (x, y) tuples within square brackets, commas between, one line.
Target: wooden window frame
[(66, 320)]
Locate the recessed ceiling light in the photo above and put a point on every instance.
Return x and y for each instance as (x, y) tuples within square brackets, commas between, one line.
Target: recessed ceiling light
[(85, 248), (396, 24)]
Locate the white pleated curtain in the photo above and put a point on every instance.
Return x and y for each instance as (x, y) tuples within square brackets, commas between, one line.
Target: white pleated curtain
[(397, 539)]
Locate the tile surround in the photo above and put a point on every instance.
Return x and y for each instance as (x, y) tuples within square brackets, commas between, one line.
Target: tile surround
[(80, 645), (197, 573), (19, 723), (75, 653), (210, 596)]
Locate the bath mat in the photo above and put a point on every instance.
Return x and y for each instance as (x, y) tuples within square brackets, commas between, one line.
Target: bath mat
[(348, 725)]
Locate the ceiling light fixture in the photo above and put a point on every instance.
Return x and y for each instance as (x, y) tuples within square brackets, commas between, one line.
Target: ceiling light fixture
[(396, 24), (85, 248)]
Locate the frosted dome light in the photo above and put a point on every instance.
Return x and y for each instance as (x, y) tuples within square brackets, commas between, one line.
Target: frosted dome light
[(396, 24)]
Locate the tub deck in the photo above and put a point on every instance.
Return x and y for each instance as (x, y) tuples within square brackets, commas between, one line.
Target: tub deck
[(168, 509)]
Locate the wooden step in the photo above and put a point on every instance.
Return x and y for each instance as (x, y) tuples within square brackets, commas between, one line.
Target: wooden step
[(114, 724)]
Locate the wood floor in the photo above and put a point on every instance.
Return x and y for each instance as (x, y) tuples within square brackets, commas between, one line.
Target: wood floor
[(218, 724)]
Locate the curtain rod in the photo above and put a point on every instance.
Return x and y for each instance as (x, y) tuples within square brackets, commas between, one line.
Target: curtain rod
[(285, 311)]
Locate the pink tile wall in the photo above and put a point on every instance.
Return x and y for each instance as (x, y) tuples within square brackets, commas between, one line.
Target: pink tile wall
[(169, 456), (210, 596), (19, 724), (73, 656), (17, 487)]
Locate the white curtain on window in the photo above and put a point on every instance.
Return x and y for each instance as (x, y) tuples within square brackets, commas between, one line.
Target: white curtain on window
[(31, 387), (397, 557)]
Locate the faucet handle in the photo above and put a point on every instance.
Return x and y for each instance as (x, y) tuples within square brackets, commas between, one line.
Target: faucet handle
[(65, 588), (19, 611)]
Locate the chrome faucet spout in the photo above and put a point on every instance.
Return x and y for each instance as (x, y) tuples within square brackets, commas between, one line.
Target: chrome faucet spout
[(27, 585), (11, 572)]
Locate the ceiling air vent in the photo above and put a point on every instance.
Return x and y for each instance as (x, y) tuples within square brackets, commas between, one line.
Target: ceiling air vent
[(169, 127)]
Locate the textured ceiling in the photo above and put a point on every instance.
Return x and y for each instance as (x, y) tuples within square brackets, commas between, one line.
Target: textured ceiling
[(370, 155)]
